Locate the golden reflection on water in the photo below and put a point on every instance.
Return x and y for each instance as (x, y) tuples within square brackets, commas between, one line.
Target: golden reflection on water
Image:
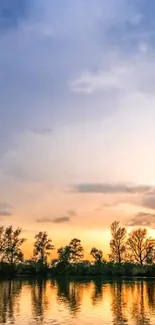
[(77, 302)]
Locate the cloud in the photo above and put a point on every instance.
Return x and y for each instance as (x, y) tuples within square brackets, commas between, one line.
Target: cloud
[(117, 194), (61, 220), (26, 230), (108, 188), (121, 74), (5, 213), (72, 213), (111, 204), (44, 220), (55, 220), (98, 209), (142, 219), (5, 209), (90, 82), (148, 201), (43, 131)]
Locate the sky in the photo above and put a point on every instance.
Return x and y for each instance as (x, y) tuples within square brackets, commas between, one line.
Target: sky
[(77, 112)]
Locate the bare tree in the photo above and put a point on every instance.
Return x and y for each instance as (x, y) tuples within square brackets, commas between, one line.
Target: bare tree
[(11, 245), (97, 254), (117, 243), (1, 242), (42, 247), (141, 247), (64, 254), (76, 250)]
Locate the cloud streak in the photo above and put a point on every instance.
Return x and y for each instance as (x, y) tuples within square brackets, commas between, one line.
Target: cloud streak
[(148, 201), (5, 213), (142, 219), (61, 220), (108, 188), (72, 213), (57, 220), (119, 193), (43, 131), (5, 209)]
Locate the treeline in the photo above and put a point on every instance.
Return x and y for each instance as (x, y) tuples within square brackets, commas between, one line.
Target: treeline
[(131, 254)]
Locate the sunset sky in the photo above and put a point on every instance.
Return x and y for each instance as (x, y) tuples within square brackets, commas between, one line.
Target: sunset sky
[(77, 117)]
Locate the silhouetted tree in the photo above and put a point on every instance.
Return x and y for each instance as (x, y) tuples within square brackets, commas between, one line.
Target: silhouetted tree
[(1, 242), (76, 250), (96, 254), (42, 247), (12, 242), (141, 248), (117, 243), (64, 254)]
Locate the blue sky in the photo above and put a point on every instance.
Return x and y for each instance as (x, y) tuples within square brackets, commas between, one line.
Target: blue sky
[(77, 101)]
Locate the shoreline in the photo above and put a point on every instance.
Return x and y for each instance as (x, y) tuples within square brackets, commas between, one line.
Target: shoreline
[(81, 278)]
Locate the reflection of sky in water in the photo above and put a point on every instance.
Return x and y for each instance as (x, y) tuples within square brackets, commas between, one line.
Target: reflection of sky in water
[(60, 302)]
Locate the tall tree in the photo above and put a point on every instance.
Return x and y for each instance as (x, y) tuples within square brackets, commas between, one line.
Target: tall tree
[(11, 245), (1, 242), (64, 257), (141, 247), (117, 243), (76, 250), (97, 254), (42, 247), (64, 254)]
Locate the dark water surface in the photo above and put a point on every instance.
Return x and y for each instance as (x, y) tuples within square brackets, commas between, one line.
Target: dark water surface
[(63, 302)]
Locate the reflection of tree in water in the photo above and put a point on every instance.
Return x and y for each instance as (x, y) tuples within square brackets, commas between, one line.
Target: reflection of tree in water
[(39, 299), (97, 292), (70, 293), (118, 304), (9, 293), (150, 288), (139, 305)]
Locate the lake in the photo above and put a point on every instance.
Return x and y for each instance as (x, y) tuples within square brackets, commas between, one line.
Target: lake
[(84, 302)]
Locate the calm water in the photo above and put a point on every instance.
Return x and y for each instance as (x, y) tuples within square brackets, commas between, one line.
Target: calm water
[(61, 302)]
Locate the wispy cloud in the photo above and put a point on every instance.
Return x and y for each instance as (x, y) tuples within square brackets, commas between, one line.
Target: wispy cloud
[(122, 74), (5, 213), (117, 194), (44, 220), (111, 188), (43, 131), (90, 82), (148, 201), (72, 213), (61, 220), (142, 219), (5, 209), (58, 220)]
